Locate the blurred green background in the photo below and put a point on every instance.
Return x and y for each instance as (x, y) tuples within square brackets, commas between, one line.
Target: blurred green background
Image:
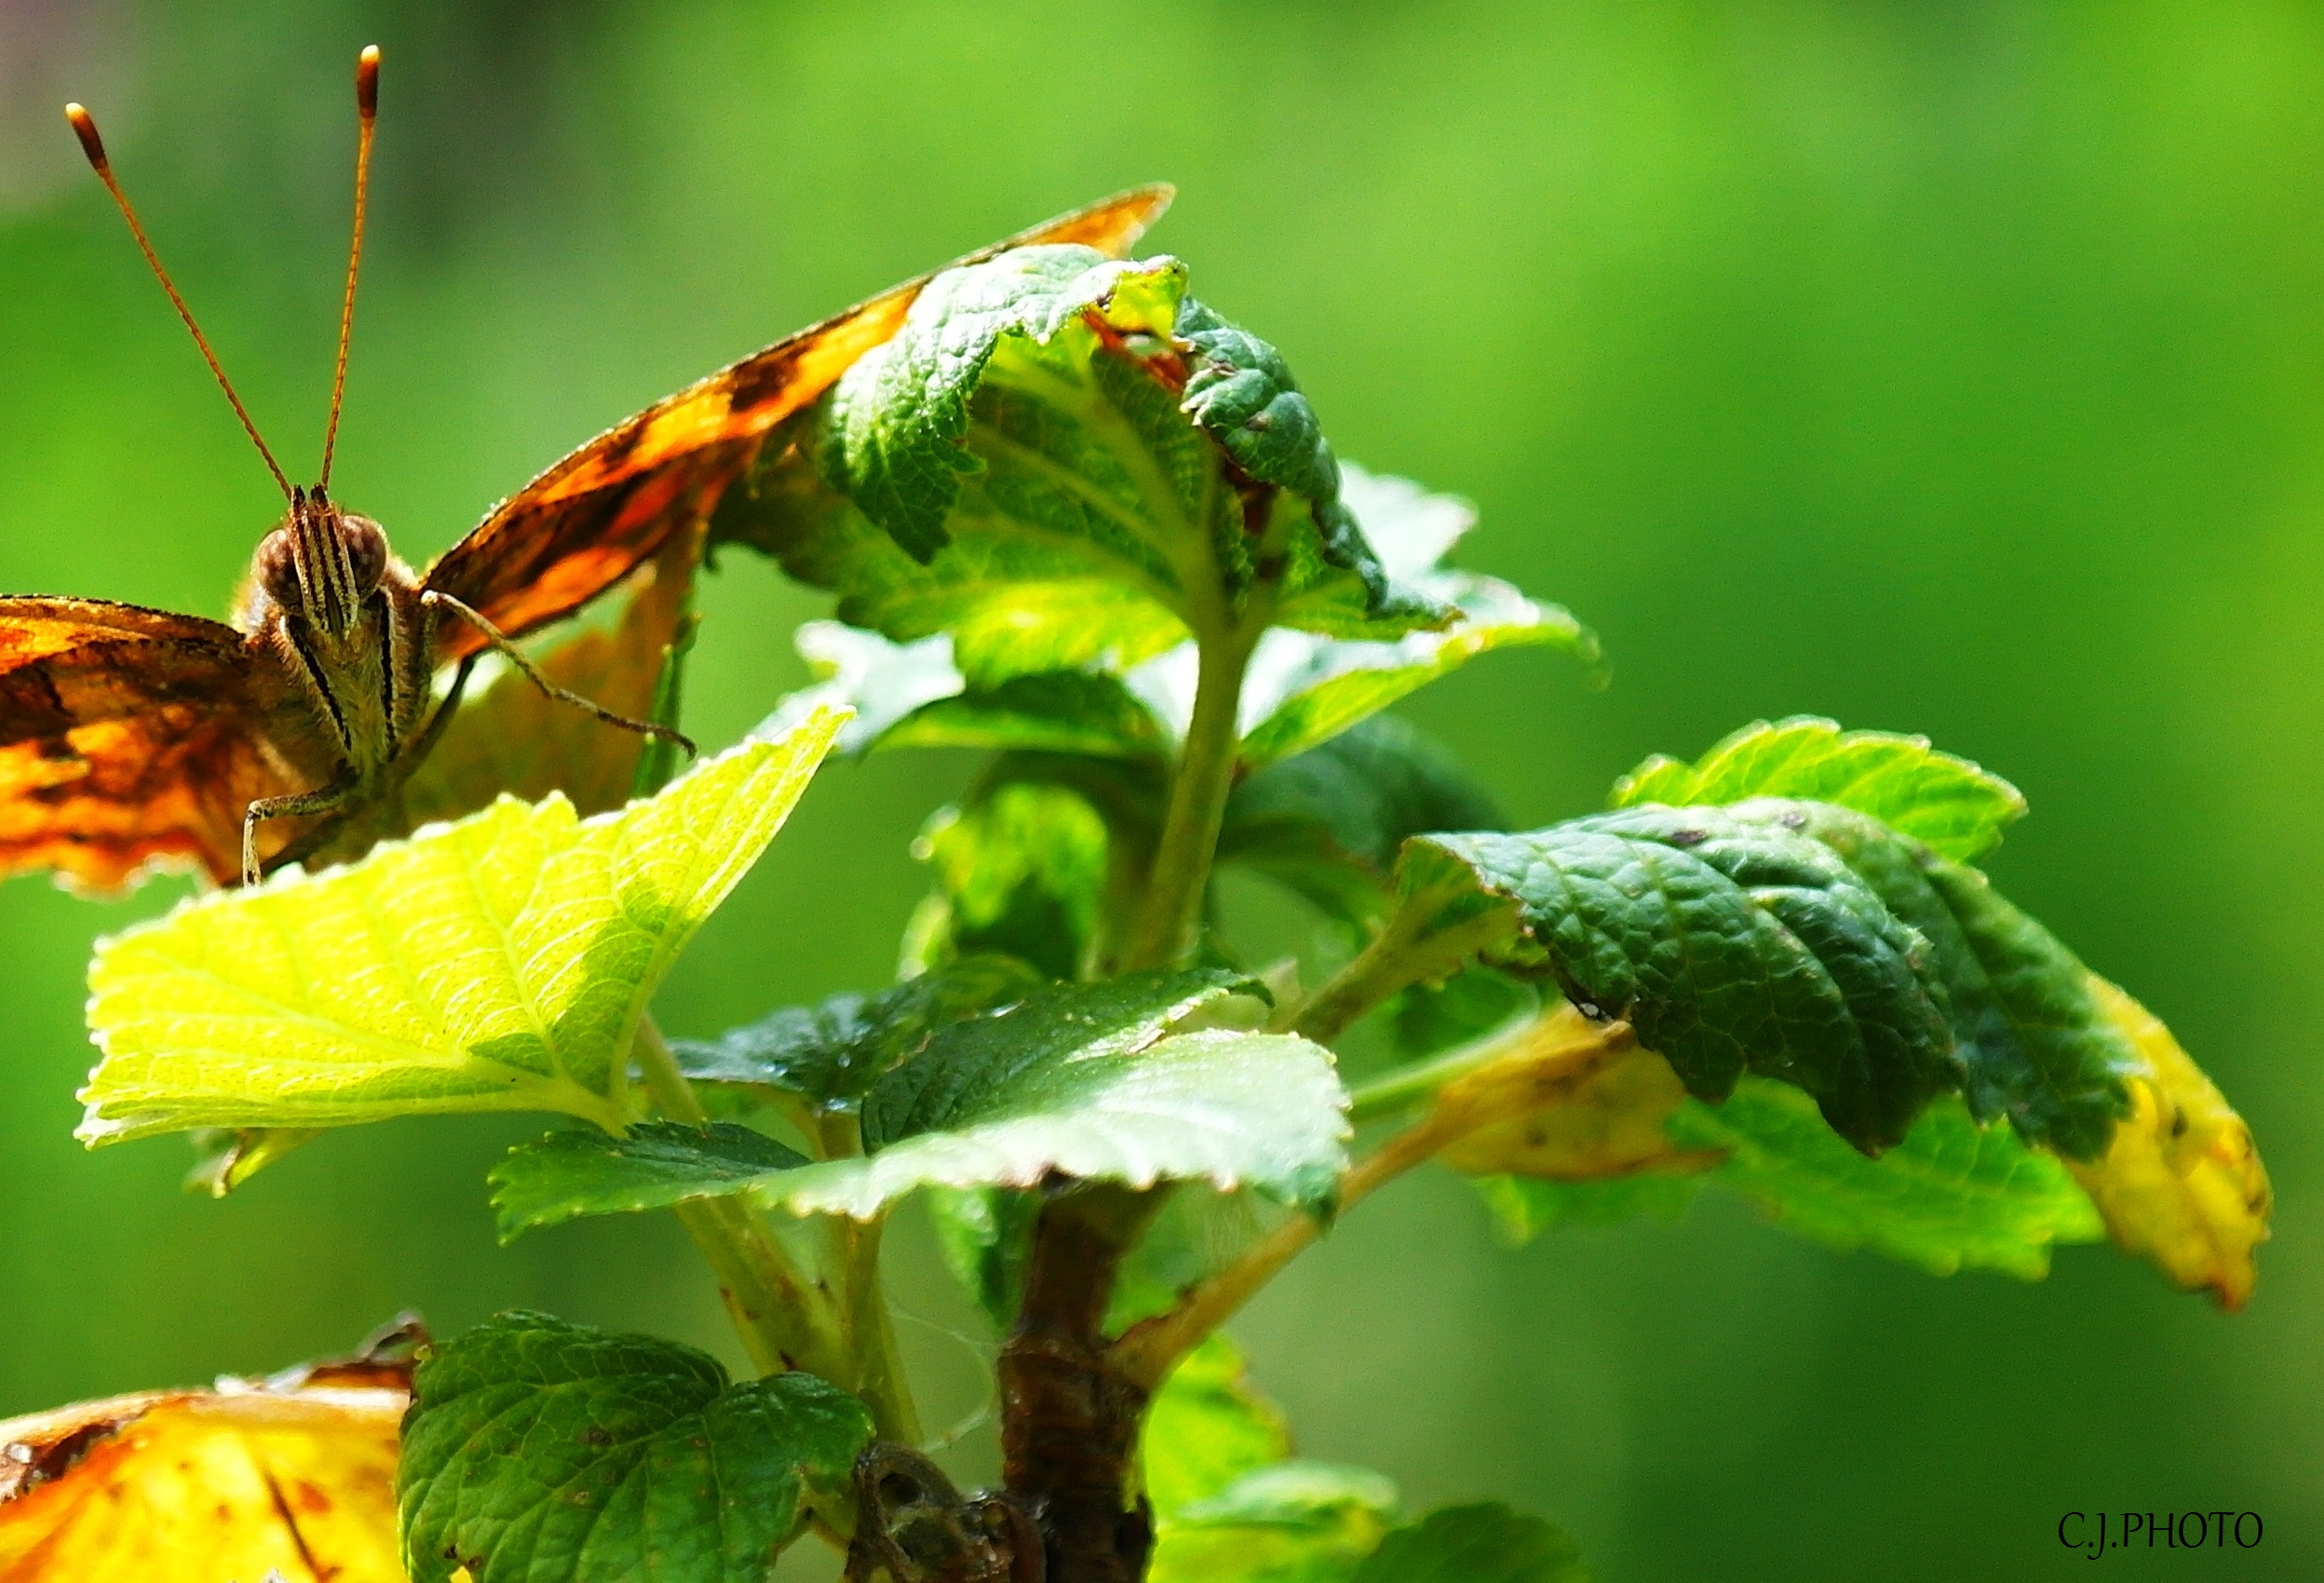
[(1944, 367)]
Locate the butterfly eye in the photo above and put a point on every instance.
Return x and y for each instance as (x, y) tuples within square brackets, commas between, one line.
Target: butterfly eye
[(277, 568), (367, 551)]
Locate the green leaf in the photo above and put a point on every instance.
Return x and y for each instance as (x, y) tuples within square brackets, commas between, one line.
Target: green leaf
[(1472, 1003), (1954, 1194), (1019, 871), (1958, 809), (501, 963), (1484, 1543), (1082, 1079), (1049, 462), (1328, 823), (1730, 946), (544, 1451), (1044, 685), (912, 696), (984, 1236), (1524, 1207), (831, 1052), (654, 1165), (1207, 1427), (2032, 1041), (1291, 1523), (1198, 1232), (1304, 688)]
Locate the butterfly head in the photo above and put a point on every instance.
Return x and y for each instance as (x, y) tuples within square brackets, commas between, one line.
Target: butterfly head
[(322, 563)]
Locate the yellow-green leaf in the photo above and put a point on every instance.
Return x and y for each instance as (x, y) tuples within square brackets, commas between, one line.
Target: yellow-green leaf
[(1207, 1427), (501, 963)]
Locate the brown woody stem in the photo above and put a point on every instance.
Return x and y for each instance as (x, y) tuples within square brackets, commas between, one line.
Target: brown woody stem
[(1070, 1418)]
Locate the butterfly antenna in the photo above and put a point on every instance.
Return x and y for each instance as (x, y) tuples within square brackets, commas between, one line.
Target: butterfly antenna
[(367, 113), (85, 128)]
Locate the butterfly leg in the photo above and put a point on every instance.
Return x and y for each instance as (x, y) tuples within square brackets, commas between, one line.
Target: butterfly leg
[(412, 754), (415, 751), (322, 800), (516, 656)]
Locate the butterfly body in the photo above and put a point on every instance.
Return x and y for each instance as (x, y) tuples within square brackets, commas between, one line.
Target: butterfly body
[(347, 623)]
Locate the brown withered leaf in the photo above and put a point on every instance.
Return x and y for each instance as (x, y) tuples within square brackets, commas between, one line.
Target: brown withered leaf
[(292, 1476), (2182, 1182)]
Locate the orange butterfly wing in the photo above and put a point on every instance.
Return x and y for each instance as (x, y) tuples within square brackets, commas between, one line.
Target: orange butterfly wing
[(582, 525), (127, 737)]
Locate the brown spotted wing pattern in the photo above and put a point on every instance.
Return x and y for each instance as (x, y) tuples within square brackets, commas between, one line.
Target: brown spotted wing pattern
[(132, 738)]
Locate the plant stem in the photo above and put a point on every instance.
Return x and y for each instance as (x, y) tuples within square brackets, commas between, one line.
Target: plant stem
[(1069, 1421), (1148, 1351), (866, 1326), (1166, 923), (785, 1320), (1407, 1087), (1403, 953)]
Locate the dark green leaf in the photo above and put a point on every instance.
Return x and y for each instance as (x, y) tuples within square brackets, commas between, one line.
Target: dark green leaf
[(544, 1451), (1955, 806), (912, 696), (985, 1236), (655, 1164), (833, 1051), (1730, 945), (1086, 1080), (1021, 468), (1524, 1207), (2034, 1043), (1472, 1003), (1198, 1232), (1019, 871), (1328, 822), (1485, 1543)]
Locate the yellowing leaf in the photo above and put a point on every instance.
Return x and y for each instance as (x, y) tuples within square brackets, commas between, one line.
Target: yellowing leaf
[(227, 1486), (2181, 1181), (1565, 1120), (501, 963)]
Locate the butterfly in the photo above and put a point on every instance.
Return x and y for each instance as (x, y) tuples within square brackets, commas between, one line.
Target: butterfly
[(133, 738)]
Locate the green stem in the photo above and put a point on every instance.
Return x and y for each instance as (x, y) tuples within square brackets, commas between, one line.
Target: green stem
[(868, 1329), (785, 1320), (1164, 929), (1149, 1350), (1408, 1088), (1403, 953)]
